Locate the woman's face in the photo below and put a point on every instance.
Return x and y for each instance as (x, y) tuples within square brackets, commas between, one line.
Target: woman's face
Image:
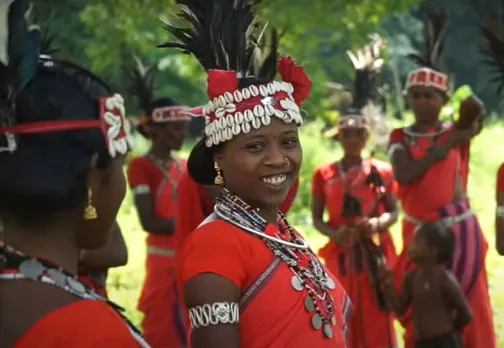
[(108, 187), (170, 135), (261, 166), (426, 103), (353, 140)]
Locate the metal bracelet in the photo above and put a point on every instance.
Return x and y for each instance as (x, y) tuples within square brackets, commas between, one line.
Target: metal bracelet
[(500, 211), (141, 189), (214, 314)]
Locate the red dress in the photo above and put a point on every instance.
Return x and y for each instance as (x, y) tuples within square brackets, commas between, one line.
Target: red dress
[(162, 324), (272, 313), (83, 324), (370, 327), (431, 198)]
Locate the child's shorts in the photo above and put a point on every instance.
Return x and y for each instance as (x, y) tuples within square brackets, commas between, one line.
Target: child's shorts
[(449, 340)]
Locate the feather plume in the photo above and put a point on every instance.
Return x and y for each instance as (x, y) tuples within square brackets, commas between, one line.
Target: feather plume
[(141, 79), (492, 48), (223, 34), (435, 31), (367, 63), (19, 52)]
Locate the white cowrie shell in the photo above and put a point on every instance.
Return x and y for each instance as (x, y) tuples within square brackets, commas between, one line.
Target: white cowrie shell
[(249, 115), (256, 122), (284, 104), (266, 120), (279, 114), (222, 123), (210, 107), (269, 109), (230, 120), (229, 97), (222, 100), (237, 96), (236, 129), (258, 111), (208, 142), (254, 91), (263, 90), (207, 130), (220, 112), (246, 128), (238, 117), (230, 108), (216, 103), (246, 93), (229, 134), (215, 138), (207, 120)]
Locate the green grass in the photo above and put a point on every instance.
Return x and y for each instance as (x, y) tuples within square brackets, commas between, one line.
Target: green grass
[(124, 283)]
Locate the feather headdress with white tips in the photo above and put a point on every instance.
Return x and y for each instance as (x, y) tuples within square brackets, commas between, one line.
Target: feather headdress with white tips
[(430, 72), (140, 79), (227, 40), (364, 112)]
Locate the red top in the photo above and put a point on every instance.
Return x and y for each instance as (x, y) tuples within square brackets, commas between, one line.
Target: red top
[(500, 178), (194, 205), (83, 324), (144, 172), (436, 188), (330, 182), (276, 317)]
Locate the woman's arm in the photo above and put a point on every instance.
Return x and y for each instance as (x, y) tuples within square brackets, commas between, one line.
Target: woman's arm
[(144, 203), (387, 219), (113, 254), (213, 304), (499, 224)]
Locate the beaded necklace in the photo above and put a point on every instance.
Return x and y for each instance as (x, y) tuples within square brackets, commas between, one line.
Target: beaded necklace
[(288, 245), (14, 265)]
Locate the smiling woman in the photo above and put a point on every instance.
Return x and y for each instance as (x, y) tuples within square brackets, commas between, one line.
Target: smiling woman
[(248, 278)]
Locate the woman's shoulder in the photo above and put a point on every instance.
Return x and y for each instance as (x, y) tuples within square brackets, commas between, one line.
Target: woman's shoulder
[(86, 323)]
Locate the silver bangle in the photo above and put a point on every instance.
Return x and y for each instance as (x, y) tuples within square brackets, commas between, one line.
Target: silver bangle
[(214, 314), (141, 189), (500, 211)]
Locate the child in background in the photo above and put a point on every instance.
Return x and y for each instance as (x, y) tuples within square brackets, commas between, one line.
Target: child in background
[(440, 310)]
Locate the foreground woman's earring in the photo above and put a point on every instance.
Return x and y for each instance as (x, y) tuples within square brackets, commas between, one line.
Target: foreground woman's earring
[(286, 160), (90, 210), (219, 180)]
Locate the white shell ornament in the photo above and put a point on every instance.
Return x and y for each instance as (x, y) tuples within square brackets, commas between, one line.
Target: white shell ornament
[(237, 96), (254, 91), (238, 117), (229, 97)]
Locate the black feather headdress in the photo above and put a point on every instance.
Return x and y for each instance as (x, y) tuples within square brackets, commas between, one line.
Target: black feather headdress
[(435, 31), (492, 48), (430, 73), (140, 78), (225, 35), (227, 40)]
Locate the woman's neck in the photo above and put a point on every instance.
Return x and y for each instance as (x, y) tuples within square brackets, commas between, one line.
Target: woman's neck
[(160, 152), (53, 242), (270, 215), (425, 127), (349, 161)]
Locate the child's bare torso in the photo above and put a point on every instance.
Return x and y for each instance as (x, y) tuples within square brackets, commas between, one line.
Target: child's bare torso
[(433, 315)]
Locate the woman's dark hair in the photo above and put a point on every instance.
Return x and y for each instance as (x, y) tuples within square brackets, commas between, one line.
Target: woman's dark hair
[(441, 238), (48, 172), (141, 85)]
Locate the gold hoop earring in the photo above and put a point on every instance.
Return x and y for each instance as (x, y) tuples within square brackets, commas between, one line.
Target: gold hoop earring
[(219, 180), (286, 160), (90, 210)]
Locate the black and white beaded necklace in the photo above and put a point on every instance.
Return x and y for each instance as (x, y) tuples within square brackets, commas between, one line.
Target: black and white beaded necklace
[(14, 265), (288, 245)]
